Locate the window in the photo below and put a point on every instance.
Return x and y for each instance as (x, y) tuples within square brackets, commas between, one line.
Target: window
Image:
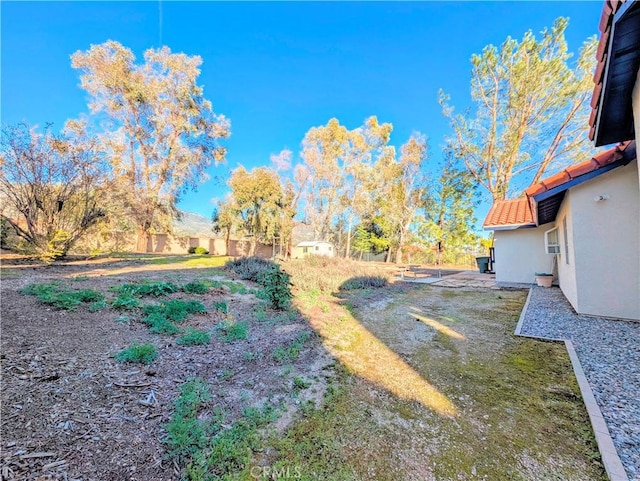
[(551, 241), (317, 248), (566, 240), (304, 250)]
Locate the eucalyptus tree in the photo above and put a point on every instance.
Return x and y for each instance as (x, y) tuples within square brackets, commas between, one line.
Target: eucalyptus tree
[(448, 222), (160, 132), (225, 218), (366, 146), (531, 109), (403, 191), (256, 199), (323, 151)]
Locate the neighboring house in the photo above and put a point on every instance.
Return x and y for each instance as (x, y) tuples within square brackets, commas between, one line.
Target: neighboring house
[(307, 248), (584, 223)]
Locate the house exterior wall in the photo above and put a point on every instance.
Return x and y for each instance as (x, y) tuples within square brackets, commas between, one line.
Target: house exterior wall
[(606, 242), (567, 263), (520, 254), (318, 249), (635, 105)]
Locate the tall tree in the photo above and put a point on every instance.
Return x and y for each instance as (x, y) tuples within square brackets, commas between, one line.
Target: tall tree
[(449, 220), (366, 145), (340, 168), (225, 219), (161, 132), (51, 187), (257, 196), (323, 150), (531, 109), (403, 192)]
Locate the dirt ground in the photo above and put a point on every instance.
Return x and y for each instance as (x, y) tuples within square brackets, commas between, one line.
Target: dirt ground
[(71, 411), (427, 382)]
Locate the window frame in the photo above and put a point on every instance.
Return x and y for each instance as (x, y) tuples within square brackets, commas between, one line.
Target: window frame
[(549, 246), (566, 240)]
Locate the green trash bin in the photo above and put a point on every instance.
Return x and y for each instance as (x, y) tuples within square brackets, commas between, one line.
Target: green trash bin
[(483, 264)]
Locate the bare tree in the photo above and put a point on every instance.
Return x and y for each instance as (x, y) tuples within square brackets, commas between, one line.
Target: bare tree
[(51, 187)]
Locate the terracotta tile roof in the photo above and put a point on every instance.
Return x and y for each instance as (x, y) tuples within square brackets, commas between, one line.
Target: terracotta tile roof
[(597, 162), (511, 212), (606, 18)]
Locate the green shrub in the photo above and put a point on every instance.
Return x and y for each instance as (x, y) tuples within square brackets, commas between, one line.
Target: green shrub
[(197, 250), (125, 302), (276, 287), (88, 295), (55, 295), (175, 310), (363, 282), (230, 331), (291, 351), (209, 450), (5, 227), (196, 287), (138, 353), (159, 324), (148, 288), (187, 435), (97, 306), (299, 383), (234, 287), (194, 337), (41, 290), (221, 306), (249, 268)]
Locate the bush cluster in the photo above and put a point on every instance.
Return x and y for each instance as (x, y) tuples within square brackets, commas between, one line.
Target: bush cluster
[(198, 250), (249, 268), (138, 353), (57, 296), (364, 282), (276, 283), (276, 286)]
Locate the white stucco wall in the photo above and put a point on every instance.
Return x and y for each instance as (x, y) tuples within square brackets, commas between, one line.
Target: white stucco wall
[(567, 270), (520, 254), (635, 103), (607, 244)]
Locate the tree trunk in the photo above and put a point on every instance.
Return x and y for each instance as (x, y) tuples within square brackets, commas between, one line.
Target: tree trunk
[(227, 241), (347, 254), (252, 246), (144, 239), (388, 258), (401, 239), (399, 255)]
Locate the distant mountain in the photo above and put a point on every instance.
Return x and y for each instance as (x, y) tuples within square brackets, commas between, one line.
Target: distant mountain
[(194, 225)]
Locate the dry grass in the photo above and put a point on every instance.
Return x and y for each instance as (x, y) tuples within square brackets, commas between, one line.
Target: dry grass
[(436, 387), (328, 274)]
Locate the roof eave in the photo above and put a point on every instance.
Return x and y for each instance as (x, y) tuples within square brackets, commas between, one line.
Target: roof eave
[(508, 226), (614, 119)]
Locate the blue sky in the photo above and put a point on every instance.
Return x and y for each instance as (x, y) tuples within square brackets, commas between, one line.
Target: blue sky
[(277, 69)]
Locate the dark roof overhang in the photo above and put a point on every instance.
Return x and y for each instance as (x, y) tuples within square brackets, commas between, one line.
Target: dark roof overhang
[(614, 122), (547, 204)]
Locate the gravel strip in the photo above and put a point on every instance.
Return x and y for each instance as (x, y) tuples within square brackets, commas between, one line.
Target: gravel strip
[(609, 351)]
